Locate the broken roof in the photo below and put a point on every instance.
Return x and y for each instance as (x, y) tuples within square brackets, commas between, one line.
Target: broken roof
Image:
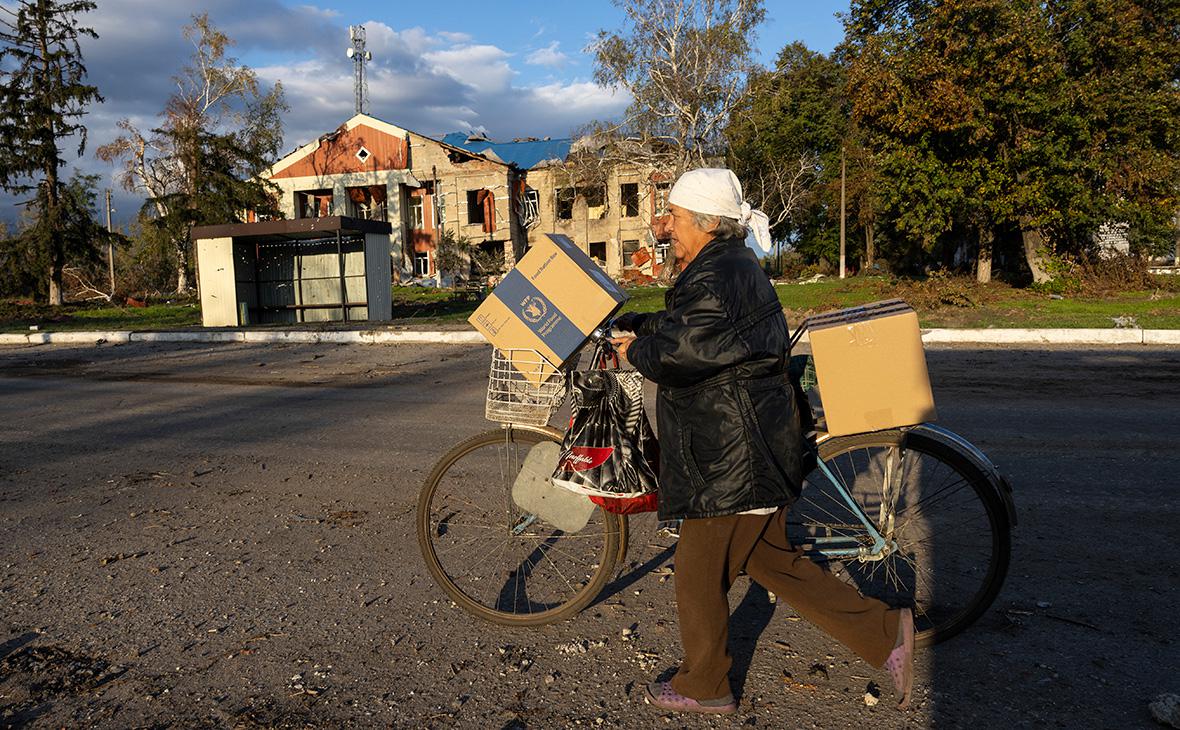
[(525, 154)]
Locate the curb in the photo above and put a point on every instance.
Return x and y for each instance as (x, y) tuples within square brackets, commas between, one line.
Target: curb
[(1128, 336), (1051, 336)]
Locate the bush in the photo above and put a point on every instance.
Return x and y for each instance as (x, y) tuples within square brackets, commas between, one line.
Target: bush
[(1091, 275), (940, 289)]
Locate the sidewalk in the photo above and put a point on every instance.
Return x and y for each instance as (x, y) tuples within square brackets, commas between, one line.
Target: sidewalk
[(1128, 336)]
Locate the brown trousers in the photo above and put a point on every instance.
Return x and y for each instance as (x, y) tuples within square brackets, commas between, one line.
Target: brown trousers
[(710, 554)]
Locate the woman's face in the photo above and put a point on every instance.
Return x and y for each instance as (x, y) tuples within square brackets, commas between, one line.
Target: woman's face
[(687, 239)]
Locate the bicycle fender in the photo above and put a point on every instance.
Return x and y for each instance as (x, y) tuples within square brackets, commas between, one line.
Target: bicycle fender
[(998, 481)]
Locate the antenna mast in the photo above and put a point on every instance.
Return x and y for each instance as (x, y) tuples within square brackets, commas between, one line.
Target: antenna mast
[(359, 56)]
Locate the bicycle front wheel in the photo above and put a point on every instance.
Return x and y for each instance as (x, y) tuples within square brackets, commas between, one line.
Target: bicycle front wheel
[(501, 562), (946, 533)]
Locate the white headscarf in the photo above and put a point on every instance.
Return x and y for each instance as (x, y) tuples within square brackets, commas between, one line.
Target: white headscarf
[(716, 191)]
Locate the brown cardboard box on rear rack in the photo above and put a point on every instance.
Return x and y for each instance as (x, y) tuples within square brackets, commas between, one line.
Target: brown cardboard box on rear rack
[(871, 368), (548, 304)]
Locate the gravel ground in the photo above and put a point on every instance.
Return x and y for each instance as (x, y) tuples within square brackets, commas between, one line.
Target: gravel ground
[(222, 536)]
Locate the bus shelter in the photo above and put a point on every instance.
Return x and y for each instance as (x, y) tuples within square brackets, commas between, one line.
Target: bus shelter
[(332, 269)]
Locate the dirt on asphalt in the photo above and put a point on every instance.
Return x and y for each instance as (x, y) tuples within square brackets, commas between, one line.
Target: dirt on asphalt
[(222, 536)]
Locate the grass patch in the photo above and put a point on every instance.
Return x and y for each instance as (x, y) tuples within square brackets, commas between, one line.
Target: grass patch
[(940, 302), (19, 316), (414, 304)]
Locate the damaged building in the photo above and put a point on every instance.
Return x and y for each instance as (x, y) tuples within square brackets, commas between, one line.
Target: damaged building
[(494, 197)]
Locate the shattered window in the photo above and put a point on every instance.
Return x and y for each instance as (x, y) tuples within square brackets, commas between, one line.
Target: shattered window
[(629, 199), (596, 201), (661, 198), (565, 203), (598, 250), (474, 207)]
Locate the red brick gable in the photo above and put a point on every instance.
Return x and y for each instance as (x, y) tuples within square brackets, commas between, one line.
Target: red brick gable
[(337, 154)]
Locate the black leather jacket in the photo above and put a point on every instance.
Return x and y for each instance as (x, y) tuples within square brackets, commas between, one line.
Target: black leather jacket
[(728, 421)]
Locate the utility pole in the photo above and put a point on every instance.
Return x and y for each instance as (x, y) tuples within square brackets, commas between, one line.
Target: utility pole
[(110, 246), (842, 259)]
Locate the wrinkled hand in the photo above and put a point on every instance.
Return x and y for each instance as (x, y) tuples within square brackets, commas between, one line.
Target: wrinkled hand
[(621, 345)]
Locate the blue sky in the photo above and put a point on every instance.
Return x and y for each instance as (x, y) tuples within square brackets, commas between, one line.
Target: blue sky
[(511, 69), (532, 27)]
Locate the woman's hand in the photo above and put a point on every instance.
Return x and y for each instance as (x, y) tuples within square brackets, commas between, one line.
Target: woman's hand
[(621, 344)]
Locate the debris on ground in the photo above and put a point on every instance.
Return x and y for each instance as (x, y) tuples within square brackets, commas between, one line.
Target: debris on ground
[(872, 694)]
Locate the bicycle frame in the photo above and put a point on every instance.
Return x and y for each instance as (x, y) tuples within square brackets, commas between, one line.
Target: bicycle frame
[(851, 547)]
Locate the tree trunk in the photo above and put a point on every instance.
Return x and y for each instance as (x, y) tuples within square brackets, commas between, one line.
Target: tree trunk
[(870, 247), (983, 264), (1034, 244), (182, 286), (56, 290)]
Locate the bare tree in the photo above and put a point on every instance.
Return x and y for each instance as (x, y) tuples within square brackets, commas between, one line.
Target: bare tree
[(217, 103), (684, 64), (779, 186)]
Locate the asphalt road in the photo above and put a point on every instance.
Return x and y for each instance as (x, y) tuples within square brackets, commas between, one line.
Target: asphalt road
[(222, 535)]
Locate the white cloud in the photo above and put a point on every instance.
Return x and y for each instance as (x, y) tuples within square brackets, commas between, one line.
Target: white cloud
[(579, 97), (482, 67), (322, 12), (548, 56), (429, 81)]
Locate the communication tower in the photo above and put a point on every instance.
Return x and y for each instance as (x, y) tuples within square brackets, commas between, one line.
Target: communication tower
[(359, 56)]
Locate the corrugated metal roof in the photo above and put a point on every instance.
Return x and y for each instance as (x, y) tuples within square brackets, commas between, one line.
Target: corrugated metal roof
[(525, 155)]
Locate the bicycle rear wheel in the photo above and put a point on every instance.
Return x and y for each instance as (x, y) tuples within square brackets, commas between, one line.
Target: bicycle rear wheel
[(498, 561), (949, 530)]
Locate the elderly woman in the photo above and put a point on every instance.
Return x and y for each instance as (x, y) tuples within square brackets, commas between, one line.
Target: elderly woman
[(732, 451)]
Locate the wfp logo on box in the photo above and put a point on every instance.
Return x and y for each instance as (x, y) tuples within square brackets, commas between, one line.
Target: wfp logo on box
[(533, 309)]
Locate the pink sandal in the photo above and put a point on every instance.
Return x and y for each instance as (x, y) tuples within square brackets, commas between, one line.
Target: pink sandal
[(664, 697), (901, 660)]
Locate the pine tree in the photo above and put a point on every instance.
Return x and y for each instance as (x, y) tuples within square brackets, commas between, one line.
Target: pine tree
[(43, 96)]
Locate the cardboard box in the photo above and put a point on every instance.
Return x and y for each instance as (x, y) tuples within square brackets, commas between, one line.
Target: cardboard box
[(551, 302), (871, 368)]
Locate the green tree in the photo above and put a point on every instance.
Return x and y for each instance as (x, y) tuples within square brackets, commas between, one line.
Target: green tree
[(684, 63), (42, 100), (1046, 118), (74, 230), (783, 138), (1122, 59), (220, 131)]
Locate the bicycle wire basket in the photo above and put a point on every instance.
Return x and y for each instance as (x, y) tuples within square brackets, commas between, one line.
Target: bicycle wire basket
[(513, 398)]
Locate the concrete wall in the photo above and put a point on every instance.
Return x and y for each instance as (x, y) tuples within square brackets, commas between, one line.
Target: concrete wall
[(396, 181), (430, 161), (606, 224), (219, 300)]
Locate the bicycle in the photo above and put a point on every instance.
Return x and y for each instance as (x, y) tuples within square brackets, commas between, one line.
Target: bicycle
[(915, 516)]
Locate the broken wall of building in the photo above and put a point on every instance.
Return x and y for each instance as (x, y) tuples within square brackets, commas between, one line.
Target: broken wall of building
[(463, 211), (617, 233)]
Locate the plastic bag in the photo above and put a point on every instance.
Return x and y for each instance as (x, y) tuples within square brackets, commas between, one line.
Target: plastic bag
[(606, 451)]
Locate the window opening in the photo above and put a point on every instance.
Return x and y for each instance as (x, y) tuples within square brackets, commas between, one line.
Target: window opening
[(314, 203), (596, 201), (414, 213), (367, 202), (598, 250), (630, 246), (661, 198), (421, 263), (629, 199), (564, 204), (474, 208), (530, 207), (363, 154)]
